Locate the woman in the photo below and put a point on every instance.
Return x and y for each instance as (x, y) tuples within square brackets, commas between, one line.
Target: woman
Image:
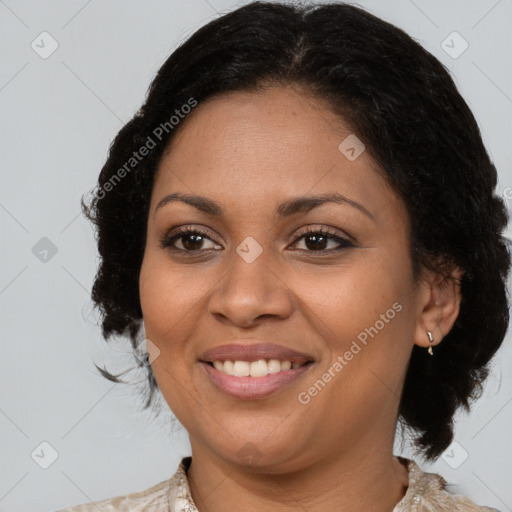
[(301, 221)]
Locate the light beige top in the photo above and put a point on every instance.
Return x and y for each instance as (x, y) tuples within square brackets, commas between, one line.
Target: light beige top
[(426, 493)]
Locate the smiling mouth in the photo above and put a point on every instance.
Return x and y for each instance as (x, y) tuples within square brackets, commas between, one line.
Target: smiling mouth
[(259, 368)]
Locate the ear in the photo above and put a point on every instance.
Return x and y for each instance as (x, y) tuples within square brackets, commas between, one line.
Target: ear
[(439, 306)]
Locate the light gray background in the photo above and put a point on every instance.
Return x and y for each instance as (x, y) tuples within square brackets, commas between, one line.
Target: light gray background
[(59, 116)]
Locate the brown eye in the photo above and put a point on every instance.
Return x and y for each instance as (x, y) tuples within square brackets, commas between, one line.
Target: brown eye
[(188, 240), (317, 240), (191, 240)]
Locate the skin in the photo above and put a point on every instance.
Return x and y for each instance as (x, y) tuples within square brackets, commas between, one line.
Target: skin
[(250, 152)]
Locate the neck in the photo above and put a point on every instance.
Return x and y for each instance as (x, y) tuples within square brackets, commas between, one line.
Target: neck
[(371, 481)]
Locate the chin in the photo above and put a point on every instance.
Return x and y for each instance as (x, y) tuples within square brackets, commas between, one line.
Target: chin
[(261, 455)]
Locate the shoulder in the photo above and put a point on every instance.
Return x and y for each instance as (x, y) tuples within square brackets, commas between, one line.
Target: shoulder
[(168, 495), (155, 499), (429, 492)]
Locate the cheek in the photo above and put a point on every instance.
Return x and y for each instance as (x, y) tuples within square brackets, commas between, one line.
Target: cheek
[(343, 301), (172, 302), (363, 312), (156, 290), (166, 306), (169, 296), (164, 309)]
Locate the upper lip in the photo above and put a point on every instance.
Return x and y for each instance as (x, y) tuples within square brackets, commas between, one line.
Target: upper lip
[(253, 352)]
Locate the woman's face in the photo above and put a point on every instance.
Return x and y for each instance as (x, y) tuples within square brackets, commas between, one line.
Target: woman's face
[(349, 306)]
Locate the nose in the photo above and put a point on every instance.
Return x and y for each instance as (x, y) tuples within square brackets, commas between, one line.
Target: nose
[(249, 291)]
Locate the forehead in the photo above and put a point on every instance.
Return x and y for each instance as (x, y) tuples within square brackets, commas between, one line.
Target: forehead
[(260, 129), (248, 148)]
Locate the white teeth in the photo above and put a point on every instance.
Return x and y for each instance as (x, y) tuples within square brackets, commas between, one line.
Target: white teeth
[(286, 365), (241, 369), (274, 366), (228, 367), (258, 368)]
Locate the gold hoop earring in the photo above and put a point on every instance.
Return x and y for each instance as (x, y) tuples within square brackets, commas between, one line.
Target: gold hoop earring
[(431, 340)]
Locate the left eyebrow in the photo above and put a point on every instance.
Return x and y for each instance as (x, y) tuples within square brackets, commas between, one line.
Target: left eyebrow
[(288, 208), (306, 203)]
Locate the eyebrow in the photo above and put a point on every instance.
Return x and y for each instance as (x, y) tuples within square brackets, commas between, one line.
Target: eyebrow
[(301, 204)]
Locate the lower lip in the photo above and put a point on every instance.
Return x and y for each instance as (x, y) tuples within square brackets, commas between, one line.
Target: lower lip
[(251, 388)]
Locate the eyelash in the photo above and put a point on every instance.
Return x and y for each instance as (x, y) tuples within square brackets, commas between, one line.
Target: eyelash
[(167, 241)]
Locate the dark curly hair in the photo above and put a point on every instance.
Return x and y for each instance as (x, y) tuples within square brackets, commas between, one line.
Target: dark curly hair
[(403, 104)]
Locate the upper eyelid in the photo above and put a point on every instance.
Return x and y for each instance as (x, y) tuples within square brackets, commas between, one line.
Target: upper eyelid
[(312, 227), (186, 229), (183, 230)]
